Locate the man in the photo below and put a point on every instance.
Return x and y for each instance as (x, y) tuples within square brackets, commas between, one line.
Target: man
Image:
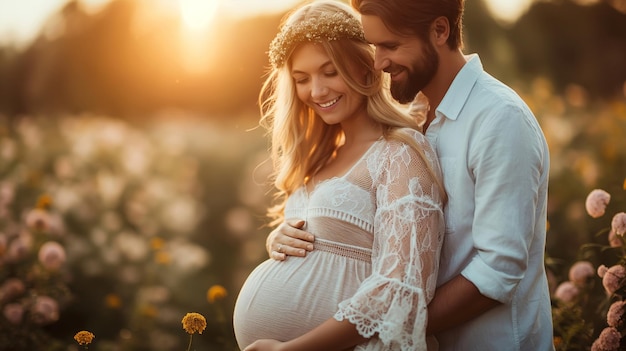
[(492, 288)]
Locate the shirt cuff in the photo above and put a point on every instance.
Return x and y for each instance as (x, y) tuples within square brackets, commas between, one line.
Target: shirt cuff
[(490, 282)]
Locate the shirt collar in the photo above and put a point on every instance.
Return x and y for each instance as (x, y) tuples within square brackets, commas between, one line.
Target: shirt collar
[(459, 91)]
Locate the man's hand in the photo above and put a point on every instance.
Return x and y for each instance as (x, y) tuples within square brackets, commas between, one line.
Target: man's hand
[(288, 239)]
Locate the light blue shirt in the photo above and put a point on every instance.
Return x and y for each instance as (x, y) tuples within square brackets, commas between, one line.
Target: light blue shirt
[(495, 163)]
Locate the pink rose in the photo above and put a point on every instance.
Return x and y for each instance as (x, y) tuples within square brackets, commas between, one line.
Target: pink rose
[(602, 270), (13, 312), (11, 289), (608, 340), (19, 248), (613, 279), (580, 272), (45, 310), (618, 224), (596, 202), (52, 255), (614, 240), (566, 292), (615, 315), (38, 219)]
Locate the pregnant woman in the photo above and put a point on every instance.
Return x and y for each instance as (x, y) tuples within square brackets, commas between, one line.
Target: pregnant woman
[(350, 163)]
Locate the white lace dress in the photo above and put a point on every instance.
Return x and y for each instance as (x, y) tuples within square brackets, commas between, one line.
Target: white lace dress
[(379, 230)]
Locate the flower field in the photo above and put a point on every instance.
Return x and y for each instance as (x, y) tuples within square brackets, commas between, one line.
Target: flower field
[(120, 230)]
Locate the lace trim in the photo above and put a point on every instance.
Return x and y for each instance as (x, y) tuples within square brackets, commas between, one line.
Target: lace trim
[(398, 315), (331, 213), (349, 251)]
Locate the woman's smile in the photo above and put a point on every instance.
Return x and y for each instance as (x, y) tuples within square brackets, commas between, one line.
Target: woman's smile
[(329, 103)]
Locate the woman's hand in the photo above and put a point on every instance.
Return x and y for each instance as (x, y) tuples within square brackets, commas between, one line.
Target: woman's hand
[(264, 345), (288, 239)]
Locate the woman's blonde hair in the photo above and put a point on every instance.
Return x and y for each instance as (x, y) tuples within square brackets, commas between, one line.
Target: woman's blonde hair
[(301, 143)]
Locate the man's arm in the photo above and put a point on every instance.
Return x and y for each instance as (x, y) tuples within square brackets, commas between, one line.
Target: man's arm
[(330, 335), (288, 239), (455, 303), (506, 163)]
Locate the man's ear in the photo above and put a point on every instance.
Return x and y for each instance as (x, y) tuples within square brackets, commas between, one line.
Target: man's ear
[(441, 30)]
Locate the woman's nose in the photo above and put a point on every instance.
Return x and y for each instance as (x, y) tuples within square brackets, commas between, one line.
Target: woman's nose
[(318, 88)]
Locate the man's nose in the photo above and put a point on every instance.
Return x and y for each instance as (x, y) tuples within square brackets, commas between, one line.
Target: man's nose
[(380, 60)]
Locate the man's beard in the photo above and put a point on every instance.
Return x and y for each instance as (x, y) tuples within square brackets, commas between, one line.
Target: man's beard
[(417, 78)]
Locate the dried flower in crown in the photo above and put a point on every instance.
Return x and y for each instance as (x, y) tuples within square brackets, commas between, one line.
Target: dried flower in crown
[(335, 26)]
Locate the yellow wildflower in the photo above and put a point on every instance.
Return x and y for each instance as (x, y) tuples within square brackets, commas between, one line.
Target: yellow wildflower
[(149, 311), (44, 202), (113, 301), (216, 292), (163, 258), (157, 243), (194, 322), (558, 341), (84, 337)]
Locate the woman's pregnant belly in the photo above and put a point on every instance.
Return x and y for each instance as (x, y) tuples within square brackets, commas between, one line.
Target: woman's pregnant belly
[(283, 300)]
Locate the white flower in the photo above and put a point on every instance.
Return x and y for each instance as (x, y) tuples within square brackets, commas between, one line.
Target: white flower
[(132, 246), (181, 214), (188, 256)]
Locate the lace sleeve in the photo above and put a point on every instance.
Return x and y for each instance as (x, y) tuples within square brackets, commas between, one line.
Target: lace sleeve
[(408, 229)]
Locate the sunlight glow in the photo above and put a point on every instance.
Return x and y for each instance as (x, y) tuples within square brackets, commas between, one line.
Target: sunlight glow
[(21, 21), (93, 6), (198, 14), (508, 10)]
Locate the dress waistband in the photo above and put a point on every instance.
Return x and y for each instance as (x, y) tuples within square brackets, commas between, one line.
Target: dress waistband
[(349, 251)]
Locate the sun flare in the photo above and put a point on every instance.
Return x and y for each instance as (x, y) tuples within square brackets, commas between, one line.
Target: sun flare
[(198, 14)]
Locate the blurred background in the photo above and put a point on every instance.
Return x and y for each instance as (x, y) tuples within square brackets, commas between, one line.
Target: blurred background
[(128, 136)]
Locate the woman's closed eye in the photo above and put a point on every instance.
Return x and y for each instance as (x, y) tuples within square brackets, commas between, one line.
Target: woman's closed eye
[(300, 79)]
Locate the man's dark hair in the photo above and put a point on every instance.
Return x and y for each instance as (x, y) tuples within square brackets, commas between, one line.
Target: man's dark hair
[(415, 17)]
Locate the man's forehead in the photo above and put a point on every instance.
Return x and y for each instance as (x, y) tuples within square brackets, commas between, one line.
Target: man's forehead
[(375, 29)]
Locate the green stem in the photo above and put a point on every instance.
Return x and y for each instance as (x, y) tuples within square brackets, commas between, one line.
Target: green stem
[(190, 338)]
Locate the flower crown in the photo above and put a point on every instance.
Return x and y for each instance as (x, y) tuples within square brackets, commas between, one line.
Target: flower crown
[(335, 26)]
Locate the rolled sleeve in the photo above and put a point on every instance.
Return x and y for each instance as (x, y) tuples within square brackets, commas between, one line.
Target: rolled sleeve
[(506, 164)]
